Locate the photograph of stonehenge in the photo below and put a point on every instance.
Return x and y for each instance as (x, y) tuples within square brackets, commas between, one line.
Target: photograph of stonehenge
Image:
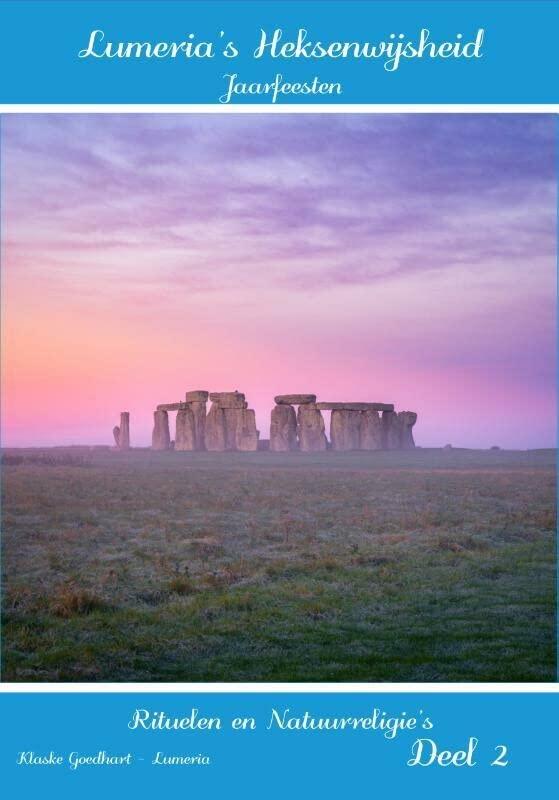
[(376, 501), (231, 425)]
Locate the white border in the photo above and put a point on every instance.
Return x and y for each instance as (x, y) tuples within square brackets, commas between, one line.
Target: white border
[(284, 108), (281, 688)]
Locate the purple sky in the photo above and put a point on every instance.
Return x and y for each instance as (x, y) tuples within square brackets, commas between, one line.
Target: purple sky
[(397, 258)]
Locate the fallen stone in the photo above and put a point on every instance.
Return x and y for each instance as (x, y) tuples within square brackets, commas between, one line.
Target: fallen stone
[(124, 436), (355, 406), (246, 433), (370, 431), (283, 428), (391, 431), (185, 437), (344, 429), (294, 399), (197, 396), (160, 440), (310, 428), (407, 420), (215, 429)]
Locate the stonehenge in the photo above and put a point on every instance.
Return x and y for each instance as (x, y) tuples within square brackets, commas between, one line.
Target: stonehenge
[(229, 424), (353, 425), (194, 405), (296, 424)]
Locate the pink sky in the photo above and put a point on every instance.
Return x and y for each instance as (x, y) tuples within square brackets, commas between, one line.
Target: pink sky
[(405, 259)]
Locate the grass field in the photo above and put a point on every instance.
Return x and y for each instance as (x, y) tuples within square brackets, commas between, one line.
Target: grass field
[(430, 565)]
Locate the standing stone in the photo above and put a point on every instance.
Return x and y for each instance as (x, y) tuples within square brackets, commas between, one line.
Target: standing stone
[(344, 430), (407, 420), (283, 429), (391, 431), (233, 417), (197, 400), (185, 438), (199, 413), (116, 434), (246, 433), (124, 435), (310, 428), (370, 431), (161, 439), (215, 429)]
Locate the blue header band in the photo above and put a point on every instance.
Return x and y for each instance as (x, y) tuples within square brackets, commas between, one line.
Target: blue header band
[(278, 52)]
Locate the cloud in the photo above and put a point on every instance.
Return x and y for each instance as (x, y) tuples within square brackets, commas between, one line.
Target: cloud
[(358, 199)]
